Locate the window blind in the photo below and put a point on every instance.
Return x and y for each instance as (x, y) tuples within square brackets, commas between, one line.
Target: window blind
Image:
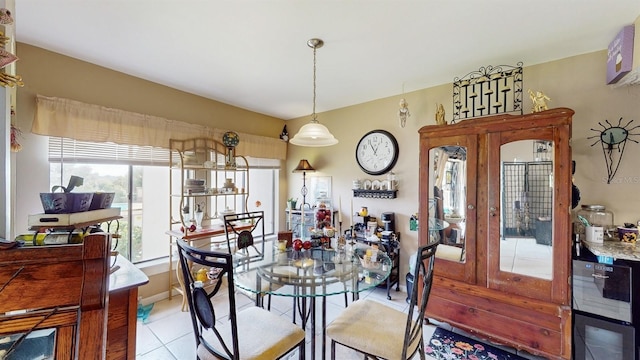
[(69, 150)]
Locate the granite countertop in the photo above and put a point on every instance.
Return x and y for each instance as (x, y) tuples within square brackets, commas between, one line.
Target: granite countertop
[(615, 249), (126, 276)]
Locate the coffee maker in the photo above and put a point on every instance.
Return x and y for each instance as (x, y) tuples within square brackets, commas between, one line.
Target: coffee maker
[(388, 222)]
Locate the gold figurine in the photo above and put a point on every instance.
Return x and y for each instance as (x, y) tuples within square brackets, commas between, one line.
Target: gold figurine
[(539, 100), (440, 115)]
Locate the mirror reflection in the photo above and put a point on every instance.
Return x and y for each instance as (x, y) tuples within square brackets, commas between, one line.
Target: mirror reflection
[(449, 197), (526, 184)]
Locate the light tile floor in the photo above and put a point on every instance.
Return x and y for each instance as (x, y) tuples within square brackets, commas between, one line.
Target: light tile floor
[(526, 256), (167, 333)]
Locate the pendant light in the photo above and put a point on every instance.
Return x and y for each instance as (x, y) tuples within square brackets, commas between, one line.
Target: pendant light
[(314, 134)]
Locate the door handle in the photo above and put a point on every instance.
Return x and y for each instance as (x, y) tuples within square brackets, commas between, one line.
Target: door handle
[(492, 211)]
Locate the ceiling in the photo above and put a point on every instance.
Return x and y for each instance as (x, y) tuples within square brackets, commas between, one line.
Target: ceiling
[(253, 53)]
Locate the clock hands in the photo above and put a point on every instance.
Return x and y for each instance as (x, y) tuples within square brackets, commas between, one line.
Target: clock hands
[(374, 148)]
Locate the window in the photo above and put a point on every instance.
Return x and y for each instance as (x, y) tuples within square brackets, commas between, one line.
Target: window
[(139, 177)]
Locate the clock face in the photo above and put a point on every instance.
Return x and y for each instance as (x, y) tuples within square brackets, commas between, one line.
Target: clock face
[(377, 152)]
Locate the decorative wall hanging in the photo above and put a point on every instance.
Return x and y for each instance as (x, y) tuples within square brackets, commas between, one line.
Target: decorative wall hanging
[(15, 134), (5, 17), (620, 54), (613, 138), (6, 58), (539, 100), (4, 40), (403, 112), (490, 90), (8, 80), (440, 115)]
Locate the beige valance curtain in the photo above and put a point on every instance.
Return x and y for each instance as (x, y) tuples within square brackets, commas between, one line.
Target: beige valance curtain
[(87, 122)]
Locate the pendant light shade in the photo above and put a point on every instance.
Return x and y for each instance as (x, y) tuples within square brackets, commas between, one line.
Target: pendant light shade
[(314, 134)]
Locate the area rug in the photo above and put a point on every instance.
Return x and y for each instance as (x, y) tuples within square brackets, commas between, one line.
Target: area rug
[(447, 345)]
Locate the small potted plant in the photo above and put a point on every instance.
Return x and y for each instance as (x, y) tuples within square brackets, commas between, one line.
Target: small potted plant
[(292, 203)]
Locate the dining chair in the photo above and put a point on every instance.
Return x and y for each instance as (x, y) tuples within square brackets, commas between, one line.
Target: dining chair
[(247, 234), (242, 231), (376, 330), (251, 333)]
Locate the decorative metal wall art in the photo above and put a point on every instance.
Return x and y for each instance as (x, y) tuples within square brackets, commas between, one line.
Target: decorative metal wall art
[(490, 90), (613, 138)]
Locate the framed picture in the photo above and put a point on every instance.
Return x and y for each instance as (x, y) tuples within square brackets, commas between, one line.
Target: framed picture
[(319, 190)]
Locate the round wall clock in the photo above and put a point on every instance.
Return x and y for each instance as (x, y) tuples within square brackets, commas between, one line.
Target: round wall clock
[(377, 152)]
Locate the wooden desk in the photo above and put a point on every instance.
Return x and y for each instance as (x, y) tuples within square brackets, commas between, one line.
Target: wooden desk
[(64, 287), (123, 308)]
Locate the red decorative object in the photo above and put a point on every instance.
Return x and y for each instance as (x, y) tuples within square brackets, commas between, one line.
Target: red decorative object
[(15, 133), (323, 217)]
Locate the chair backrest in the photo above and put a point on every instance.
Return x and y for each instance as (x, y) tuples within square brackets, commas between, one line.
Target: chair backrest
[(245, 230), (218, 265), (422, 278)]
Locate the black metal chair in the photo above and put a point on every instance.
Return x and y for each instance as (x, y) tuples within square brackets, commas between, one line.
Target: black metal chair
[(252, 333), (375, 330), (244, 230)]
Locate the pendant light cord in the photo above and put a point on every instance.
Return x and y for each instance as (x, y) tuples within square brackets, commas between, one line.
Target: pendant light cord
[(313, 114)]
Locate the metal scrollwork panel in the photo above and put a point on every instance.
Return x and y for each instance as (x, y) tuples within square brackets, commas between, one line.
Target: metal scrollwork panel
[(489, 90)]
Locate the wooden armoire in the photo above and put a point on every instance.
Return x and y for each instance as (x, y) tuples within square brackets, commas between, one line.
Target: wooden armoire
[(509, 281)]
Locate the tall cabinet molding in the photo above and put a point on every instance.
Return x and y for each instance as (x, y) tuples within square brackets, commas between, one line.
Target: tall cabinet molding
[(481, 291), (7, 161)]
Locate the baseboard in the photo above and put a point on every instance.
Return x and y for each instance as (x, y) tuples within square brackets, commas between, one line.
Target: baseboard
[(157, 297)]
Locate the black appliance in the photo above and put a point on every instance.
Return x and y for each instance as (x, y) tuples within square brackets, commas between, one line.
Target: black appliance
[(596, 338), (388, 221), (602, 289), (603, 308)]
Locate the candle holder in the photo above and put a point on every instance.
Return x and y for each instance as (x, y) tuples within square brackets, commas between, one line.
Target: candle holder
[(199, 215)]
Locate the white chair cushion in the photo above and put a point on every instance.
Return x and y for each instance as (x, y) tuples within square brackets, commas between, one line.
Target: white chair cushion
[(448, 252), (261, 335), (372, 327)]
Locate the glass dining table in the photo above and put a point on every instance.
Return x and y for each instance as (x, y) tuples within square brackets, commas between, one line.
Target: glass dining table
[(311, 274)]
